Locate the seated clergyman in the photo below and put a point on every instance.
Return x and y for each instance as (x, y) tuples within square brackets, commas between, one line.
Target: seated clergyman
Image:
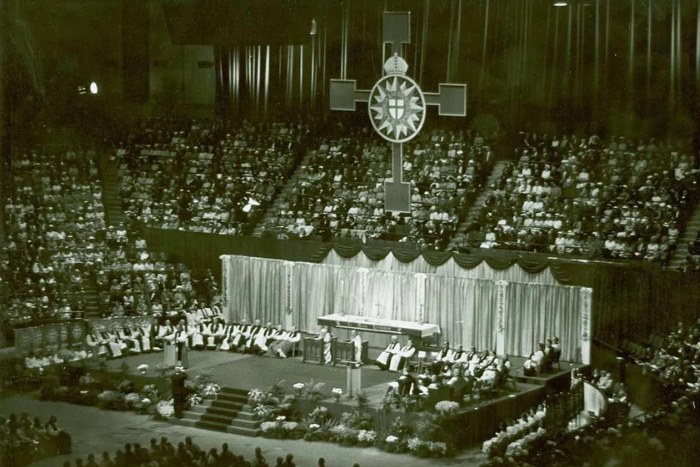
[(284, 343), (399, 360), (392, 349)]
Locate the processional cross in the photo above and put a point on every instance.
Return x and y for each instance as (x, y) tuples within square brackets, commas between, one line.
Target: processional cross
[(397, 106)]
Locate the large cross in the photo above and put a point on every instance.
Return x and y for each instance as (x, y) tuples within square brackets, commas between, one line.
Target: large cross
[(397, 106)]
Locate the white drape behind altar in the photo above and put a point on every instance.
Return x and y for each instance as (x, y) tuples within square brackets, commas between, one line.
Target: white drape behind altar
[(488, 313)]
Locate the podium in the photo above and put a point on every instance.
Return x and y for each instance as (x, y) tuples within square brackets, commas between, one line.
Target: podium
[(170, 354), (353, 378)]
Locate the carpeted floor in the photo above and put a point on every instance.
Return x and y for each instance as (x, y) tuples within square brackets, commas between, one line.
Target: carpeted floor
[(252, 371)]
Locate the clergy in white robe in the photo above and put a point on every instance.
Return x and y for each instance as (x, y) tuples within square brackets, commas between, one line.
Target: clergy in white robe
[(240, 334), (131, 338), (114, 345), (327, 351), (228, 335), (97, 344), (199, 331), (443, 357), (266, 337), (392, 349), (285, 343), (252, 334), (538, 358), (216, 334), (356, 341), (398, 360), (165, 330), (144, 333)]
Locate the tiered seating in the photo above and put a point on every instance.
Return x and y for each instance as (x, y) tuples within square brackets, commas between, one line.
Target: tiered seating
[(192, 176), (24, 440), (55, 226), (340, 191), (580, 197), (136, 281)]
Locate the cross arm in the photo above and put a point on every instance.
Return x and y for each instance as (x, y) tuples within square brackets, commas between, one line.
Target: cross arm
[(451, 99), (344, 94)]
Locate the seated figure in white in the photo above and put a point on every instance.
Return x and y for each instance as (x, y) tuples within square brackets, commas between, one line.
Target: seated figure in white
[(252, 334), (265, 337), (285, 343), (97, 344), (199, 331), (392, 349), (399, 360), (131, 338), (216, 333), (114, 344), (538, 358), (144, 333), (241, 333), (228, 336)]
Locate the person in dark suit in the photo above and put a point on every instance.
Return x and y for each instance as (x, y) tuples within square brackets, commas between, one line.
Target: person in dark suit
[(179, 390)]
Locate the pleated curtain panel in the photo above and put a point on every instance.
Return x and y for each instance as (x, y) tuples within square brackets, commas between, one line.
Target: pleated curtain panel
[(465, 308)]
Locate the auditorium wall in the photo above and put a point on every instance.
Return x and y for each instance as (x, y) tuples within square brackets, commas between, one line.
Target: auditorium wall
[(180, 74)]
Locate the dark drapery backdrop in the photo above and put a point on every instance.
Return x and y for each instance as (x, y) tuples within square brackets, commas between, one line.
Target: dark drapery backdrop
[(630, 301)]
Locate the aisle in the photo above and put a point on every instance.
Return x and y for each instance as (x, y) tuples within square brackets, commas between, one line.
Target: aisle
[(95, 431)]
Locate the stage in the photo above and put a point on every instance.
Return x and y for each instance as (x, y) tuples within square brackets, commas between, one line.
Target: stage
[(247, 372)]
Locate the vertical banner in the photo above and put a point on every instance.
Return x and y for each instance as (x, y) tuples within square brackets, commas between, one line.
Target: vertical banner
[(586, 324), (225, 289), (288, 284), (501, 317), (420, 295), (364, 285)]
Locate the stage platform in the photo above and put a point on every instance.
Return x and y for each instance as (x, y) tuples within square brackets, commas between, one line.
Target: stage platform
[(252, 371)]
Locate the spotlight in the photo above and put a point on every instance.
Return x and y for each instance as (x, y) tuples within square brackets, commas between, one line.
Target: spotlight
[(93, 88)]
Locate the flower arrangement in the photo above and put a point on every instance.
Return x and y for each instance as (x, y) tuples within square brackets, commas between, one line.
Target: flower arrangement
[(132, 400), (256, 396), (366, 437), (86, 380), (164, 410), (344, 434), (151, 392), (194, 399), (319, 415), (446, 407), (126, 386), (210, 390), (422, 448), (111, 400), (337, 392)]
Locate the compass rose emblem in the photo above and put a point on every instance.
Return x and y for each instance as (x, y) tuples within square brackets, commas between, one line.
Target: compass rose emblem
[(396, 104)]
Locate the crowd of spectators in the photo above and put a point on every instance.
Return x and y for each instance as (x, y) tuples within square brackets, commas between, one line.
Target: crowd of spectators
[(675, 359), (187, 454), (134, 280), (198, 176), (55, 225), (24, 440), (339, 193), (586, 197), (58, 248)]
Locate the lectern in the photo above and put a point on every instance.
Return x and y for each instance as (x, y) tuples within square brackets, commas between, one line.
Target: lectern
[(353, 377)]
